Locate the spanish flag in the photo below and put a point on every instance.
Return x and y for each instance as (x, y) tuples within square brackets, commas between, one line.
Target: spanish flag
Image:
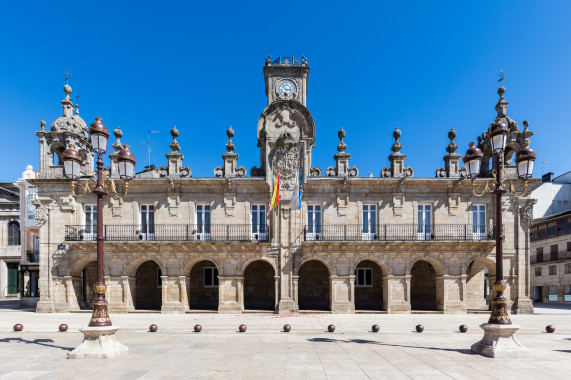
[(276, 193)]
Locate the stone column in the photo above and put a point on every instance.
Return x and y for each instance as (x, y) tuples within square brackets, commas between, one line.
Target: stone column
[(286, 222), (183, 292), (295, 292), (230, 294), (341, 300), (398, 294), (276, 293), (171, 296), (449, 294), (44, 208)]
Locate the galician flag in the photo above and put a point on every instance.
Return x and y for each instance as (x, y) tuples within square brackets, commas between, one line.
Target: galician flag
[(276, 193), (297, 192)]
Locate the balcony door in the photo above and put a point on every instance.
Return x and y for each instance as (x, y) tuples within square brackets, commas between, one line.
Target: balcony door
[(313, 222), (479, 222), (424, 222), (147, 223), (90, 231), (202, 222), (258, 213), (369, 222)]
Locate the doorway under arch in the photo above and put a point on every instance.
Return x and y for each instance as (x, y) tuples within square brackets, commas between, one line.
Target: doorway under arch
[(423, 286), (203, 286), (368, 286), (84, 285), (259, 286), (148, 294), (480, 275), (314, 286)]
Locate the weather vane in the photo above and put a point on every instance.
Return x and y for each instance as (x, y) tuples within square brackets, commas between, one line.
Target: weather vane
[(67, 75), (501, 75)]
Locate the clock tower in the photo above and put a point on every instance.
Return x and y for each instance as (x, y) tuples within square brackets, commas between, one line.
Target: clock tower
[(286, 79), (286, 130)]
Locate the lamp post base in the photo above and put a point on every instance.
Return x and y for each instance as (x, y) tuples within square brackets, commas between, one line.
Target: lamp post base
[(98, 343), (499, 341)]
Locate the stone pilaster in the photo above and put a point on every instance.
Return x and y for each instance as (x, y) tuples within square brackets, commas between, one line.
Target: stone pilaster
[(398, 294)]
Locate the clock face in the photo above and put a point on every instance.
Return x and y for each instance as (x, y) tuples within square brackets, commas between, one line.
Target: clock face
[(286, 89)]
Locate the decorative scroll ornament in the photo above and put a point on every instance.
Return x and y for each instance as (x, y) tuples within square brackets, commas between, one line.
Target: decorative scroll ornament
[(41, 215), (285, 156), (527, 211)]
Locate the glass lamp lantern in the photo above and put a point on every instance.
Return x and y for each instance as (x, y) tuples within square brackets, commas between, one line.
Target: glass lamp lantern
[(71, 162), (498, 135), (525, 159), (472, 161), (99, 136), (126, 162)]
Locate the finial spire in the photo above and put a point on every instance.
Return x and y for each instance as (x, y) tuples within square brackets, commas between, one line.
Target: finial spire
[(397, 146), (174, 145), (341, 146), (67, 74), (501, 79), (230, 145)]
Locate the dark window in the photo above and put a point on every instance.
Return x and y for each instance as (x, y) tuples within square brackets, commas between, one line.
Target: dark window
[(569, 246), (533, 234), (554, 252), (561, 227), (552, 270), (363, 277), (538, 271), (210, 277), (13, 233), (551, 229), (159, 279), (567, 268), (539, 254), (542, 232)]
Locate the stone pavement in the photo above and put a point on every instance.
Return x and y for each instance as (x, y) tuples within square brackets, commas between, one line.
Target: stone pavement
[(308, 351)]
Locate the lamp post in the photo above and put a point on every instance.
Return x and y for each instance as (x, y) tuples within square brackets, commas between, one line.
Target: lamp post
[(72, 165), (525, 159)]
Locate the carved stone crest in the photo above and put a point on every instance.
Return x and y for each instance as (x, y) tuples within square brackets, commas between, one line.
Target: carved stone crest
[(285, 157), (527, 211)]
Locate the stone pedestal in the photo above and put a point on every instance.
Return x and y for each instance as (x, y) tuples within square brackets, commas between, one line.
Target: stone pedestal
[(98, 343), (499, 341)]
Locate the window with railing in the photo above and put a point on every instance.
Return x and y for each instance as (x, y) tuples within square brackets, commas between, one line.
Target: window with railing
[(539, 254), (551, 229), (554, 251)]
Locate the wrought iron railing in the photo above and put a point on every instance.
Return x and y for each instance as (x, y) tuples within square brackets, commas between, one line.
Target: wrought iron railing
[(33, 256), (171, 232), (549, 257), (399, 232), (286, 61)]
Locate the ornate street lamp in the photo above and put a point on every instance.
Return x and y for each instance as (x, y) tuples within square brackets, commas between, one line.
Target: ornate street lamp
[(72, 164), (472, 160)]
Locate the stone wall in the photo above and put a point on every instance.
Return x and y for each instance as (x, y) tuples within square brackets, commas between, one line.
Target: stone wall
[(314, 286)]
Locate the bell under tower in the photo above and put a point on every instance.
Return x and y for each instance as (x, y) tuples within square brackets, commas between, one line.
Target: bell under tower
[(286, 79)]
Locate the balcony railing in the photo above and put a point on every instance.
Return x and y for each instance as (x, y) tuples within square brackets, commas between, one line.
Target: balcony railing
[(286, 61), (549, 257), (32, 256), (399, 232), (171, 232)]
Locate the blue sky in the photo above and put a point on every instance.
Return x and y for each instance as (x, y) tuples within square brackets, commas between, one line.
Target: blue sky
[(425, 67)]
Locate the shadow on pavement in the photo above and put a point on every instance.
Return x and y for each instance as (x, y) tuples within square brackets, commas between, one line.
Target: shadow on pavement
[(14, 305), (40, 342), (365, 341)]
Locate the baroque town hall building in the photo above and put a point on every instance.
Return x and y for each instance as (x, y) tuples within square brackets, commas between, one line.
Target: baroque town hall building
[(176, 243)]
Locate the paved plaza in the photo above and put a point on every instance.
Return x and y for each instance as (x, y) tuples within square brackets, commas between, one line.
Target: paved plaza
[(264, 351)]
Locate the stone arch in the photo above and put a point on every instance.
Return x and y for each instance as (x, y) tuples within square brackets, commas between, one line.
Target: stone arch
[(381, 262), (480, 275), (369, 287), (147, 294), (189, 264), (439, 265), (245, 263), (56, 150), (203, 285), (426, 291), (324, 260), (259, 286), (84, 275), (133, 265), (314, 285)]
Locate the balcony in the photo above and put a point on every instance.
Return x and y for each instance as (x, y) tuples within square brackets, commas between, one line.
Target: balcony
[(400, 232), (170, 232), (32, 257), (550, 257)]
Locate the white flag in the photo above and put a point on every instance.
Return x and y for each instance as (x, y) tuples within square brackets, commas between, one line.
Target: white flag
[(295, 195)]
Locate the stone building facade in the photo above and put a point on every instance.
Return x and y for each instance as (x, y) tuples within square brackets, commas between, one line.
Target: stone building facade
[(175, 243), (9, 240)]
